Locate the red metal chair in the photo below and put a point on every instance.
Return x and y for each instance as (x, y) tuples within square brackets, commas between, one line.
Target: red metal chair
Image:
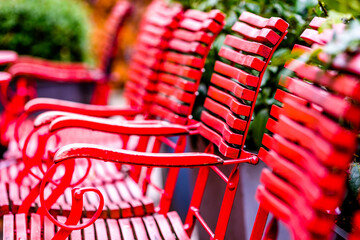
[(28, 69), (183, 63), (311, 142), (158, 16), (225, 121)]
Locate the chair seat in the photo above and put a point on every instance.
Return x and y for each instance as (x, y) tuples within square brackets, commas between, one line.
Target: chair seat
[(123, 196), (157, 226)]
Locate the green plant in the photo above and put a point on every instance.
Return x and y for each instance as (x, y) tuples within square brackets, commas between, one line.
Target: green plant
[(51, 29)]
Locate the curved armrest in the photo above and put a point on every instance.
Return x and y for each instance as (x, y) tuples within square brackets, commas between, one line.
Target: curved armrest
[(50, 63), (40, 104), (57, 72), (78, 150), (155, 128), (7, 57)]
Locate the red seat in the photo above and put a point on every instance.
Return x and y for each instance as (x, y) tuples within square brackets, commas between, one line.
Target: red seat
[(308, 150), (164, 223)]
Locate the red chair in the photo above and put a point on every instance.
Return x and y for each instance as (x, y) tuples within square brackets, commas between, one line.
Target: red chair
[(182, 63), (28, 69), (158, 16), (225, 122), (311, 142)]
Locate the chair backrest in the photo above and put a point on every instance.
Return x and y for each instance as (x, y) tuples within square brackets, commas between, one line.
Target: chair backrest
[(308, 149), (229, 105), (181, 71), (235, 85), (113, 26), (156, 29)]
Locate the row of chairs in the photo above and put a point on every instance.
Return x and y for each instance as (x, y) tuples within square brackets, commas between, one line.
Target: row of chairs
[(165, 72)]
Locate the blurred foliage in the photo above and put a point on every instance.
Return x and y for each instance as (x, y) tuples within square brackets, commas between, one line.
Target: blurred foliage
[(298, 13), (344, 7), (51, 29)]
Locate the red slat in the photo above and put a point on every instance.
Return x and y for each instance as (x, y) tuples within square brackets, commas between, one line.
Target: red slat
[(49, 229), (8, 227), (237, 74), (224, 112), (177, 225), (139, 228), (222, 128), (177, 93), (173, 105), (200, 16), (311, 36), (242, 59), (188, 47), (264, 35), (114, 229), (20, 226), (177, 81), (215, 138), (126, 229), (228, 100), (182, 71), (189, 36), (152, 228), (164, 227), (261, 22), (184, 59), (89, 232), (233, 87), (101, 231), (316, 22), (166, 114), (247, 46)]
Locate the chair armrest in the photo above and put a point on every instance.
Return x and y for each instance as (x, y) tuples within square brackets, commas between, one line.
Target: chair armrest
[(41, 104), (78, 150), (50, 63), (154, 128), (57, 72), (7, 57)]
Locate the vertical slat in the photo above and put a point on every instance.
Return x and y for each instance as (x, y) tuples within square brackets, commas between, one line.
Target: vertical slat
[(35, 224), (20, 223), (139, 228), (152, 228), (164, 226), (114, 229), (8, 227), (177, 225), (89, 232), (100, 227), (126, 229), (49, 229)]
